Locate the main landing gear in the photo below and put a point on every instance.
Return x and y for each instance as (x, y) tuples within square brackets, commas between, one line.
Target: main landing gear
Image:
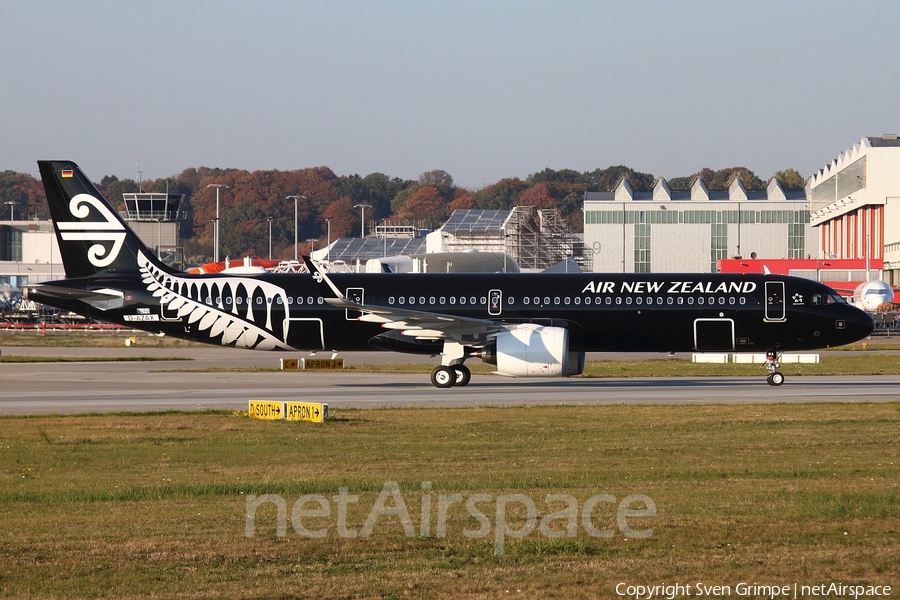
[(775, 377), (448, 376)]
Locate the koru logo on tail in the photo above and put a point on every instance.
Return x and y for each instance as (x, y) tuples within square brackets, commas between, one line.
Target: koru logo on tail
[(110, 230)]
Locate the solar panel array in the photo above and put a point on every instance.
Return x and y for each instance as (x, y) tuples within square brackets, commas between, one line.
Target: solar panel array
[(477, 221), (363, 249)]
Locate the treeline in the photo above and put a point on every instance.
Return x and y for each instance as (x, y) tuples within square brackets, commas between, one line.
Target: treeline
[(253, 197)]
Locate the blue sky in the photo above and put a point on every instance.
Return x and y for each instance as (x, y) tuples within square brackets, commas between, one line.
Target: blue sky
[(483, 90)]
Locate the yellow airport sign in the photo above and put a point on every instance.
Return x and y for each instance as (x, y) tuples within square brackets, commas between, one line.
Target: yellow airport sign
[(290, 364), (266, 409), (322, 364), (306, 411)]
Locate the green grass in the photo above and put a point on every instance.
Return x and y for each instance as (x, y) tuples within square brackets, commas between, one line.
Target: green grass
[(154, 504)]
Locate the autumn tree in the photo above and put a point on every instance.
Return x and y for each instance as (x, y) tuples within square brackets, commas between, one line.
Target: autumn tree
[(26, 194), (344, 218), (501, 195), (791, 180), (606, 180), (427, 204)]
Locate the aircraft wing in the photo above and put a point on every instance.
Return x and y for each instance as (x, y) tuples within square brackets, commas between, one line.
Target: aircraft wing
[(422, 325)]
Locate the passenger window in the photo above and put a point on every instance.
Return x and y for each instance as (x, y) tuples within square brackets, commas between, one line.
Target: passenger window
[(310, 300), (483, 300), (526, 300), (731, 300), (391, 300), (320, 300), (577, 299), (669, 300), (510, 300), (743, 300), (299, 300), (628, 300), (609, 299), (402, 300), (639, 300), (649, 301), (462, 300), (700, 300), (587, 300), (619, 300), (721, 299), (680, 300), (547, 300), (568, 300), (431, 300), (537, 300), (691, 300), (556, 300), (452, 299), (443, 300), (472, 300), (412, 299), (421, 300)]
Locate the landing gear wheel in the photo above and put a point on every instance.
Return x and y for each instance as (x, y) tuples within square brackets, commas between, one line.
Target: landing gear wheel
[(463, 374), (775, 378), (443, 377)]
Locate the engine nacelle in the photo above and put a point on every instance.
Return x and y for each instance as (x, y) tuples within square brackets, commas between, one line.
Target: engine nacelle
[(530, 351)]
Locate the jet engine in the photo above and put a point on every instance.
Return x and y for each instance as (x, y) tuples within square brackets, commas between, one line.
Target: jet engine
[(533, 351)]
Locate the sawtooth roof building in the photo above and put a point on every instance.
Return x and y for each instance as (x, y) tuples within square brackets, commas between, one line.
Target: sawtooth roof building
[(669, 231)]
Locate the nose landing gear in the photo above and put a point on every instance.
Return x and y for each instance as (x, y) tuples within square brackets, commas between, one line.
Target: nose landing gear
[(775, 377)]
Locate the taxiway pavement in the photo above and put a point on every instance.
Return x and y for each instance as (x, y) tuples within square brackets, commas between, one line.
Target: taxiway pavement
[(82, 387)]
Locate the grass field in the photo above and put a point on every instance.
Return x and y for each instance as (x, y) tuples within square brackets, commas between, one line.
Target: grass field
[(154, 505)]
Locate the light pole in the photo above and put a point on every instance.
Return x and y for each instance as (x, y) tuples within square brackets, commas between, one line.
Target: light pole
[(328, 226), (295, 222), (384, 235), (270, 237), (312, 245), (218, 186), (215, 223), (362, 218), (12, 208)]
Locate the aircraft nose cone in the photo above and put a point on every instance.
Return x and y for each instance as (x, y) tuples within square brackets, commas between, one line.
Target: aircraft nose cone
[(859, 324)]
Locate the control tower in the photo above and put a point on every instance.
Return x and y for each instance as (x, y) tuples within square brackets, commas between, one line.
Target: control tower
[(157, 218)]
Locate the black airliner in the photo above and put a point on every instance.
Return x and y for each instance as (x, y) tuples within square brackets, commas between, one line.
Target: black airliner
[(528, 325)]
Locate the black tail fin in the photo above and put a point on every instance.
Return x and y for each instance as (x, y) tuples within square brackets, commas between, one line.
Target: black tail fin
[(92, 237)]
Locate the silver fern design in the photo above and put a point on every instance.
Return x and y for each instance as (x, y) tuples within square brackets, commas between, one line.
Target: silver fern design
[(246, 313)]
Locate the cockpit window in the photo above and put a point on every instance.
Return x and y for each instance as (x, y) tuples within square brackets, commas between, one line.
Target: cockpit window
[(817, 299), (835, 299)]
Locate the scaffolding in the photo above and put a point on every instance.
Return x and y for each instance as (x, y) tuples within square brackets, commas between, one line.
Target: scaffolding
[(536, 239), (539, 239)]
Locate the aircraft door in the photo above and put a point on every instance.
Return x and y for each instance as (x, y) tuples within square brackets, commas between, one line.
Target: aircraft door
[(354, 295), (713, 334), (775, 301), (495, 303)]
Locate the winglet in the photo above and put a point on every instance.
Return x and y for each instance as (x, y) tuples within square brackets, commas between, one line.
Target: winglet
[(329, 291)]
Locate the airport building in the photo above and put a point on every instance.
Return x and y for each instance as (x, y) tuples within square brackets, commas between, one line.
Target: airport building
[(855, 204), (668, 231)]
